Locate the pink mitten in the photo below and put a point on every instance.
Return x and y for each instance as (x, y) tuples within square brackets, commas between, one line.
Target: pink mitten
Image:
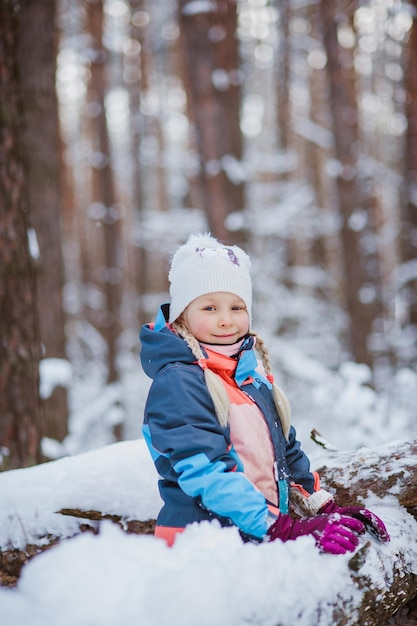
[(372, 522), (336, 534)]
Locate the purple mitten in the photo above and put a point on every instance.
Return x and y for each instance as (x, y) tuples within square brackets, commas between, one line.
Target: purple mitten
[(336, 534), (372, 522)]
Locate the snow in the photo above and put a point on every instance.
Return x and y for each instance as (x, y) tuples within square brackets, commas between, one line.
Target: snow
[(114, 478), (198, 6), (54, 372), (314, 132), (33, 244), (208, 577)]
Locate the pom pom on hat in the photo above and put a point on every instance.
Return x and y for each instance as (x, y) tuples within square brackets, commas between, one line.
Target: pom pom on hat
[(204, 265)]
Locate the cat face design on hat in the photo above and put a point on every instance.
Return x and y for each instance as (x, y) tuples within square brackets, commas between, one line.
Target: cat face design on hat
[(228, 252)]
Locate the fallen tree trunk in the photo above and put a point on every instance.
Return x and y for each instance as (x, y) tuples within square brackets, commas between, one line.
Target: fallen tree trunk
[(136, 527), (386, 471), (378, 602), (380, 578), (382, 472), (389, 470)]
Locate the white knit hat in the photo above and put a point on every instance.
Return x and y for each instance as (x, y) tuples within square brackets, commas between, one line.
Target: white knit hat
[(204, 265)]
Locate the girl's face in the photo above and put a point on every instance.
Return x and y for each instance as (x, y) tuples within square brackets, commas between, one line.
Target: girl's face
[(218, 318)]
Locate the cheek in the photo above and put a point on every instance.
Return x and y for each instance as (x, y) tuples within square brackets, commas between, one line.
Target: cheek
[(196, 324), (201, 327), (245, 323)]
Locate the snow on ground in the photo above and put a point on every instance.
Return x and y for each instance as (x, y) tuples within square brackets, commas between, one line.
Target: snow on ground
[(209, 577)]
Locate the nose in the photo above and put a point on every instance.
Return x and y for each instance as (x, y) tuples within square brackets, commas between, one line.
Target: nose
[(225, 319)]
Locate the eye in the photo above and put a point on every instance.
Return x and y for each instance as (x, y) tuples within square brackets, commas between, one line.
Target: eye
[(238, 307), (209, 307)]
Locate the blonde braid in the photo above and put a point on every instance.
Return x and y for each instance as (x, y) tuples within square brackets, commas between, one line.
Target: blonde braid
[(280, 399), (214, 384)]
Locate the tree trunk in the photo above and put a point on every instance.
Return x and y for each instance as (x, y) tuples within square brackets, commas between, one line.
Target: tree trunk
[(384, 472), (409, 230), (20, 411), (211, 56), (136, 88), (283, 76), (361, 265), (389, 470), (104, 193), (41, 147)]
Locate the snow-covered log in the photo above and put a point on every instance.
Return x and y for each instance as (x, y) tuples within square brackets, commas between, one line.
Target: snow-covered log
[(57, 500), (389, 470), (385, 473)]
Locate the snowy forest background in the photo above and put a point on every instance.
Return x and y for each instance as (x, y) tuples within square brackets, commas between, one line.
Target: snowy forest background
[(287, 127)]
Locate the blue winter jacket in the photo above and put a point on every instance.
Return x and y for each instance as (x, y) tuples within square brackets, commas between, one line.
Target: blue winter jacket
[(202, 477)]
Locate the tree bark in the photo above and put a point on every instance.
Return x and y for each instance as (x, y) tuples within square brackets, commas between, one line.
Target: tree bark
[(283, 76), (389, 470), (41, 147), (361, 263), (213, 86), (104, 193), (409, 229), (20, 410), (135, 88)]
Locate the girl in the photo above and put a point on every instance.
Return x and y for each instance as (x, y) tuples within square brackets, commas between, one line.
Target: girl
[(217, 425)]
